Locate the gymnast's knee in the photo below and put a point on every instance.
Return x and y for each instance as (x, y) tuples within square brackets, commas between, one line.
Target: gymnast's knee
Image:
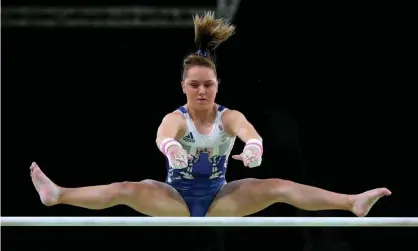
[(124, 192), (278, 189)]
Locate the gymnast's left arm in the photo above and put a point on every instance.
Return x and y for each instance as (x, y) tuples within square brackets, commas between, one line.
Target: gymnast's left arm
[(236, 124)]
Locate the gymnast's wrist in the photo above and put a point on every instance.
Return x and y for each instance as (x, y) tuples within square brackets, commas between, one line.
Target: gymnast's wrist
[(257, 143), (167, 143)]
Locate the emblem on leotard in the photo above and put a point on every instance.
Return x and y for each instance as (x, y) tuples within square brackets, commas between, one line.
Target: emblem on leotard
[(203, 162)]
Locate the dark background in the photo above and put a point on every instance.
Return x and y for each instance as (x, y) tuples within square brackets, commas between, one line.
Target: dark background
[(326, 84)]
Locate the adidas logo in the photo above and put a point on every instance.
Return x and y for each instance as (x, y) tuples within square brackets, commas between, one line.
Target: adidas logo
[(189, 138)]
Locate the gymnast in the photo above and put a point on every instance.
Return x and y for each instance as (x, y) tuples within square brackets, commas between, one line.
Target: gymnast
[(197, 139)]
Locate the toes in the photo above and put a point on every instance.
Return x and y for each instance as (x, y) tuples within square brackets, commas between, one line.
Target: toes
[(387, 192), (33, 166), (384, 192)]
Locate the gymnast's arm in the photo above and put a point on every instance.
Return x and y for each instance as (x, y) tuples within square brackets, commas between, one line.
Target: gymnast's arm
[(172, 127), (236, 124)]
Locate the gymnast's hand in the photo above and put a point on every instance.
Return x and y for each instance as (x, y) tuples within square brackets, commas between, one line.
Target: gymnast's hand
[(251, 156), (178, 157)]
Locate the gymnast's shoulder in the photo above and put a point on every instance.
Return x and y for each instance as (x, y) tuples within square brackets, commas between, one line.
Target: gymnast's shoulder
[(231, 116)]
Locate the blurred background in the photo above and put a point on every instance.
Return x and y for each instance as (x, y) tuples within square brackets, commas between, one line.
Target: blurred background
[(328, 84)]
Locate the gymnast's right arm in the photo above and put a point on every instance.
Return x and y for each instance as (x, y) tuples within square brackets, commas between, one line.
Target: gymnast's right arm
[(172, 127)]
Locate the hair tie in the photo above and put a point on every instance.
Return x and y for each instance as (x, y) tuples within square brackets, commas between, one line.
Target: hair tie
[(202, 53)]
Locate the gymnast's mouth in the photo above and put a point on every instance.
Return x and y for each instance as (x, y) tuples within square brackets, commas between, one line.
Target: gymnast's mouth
[(201, 99)]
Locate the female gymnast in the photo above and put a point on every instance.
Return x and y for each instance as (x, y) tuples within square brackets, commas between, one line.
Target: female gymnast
[(197, 140)]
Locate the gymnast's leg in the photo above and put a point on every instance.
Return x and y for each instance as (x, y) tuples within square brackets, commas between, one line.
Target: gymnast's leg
[(149, 197), (248, 196)]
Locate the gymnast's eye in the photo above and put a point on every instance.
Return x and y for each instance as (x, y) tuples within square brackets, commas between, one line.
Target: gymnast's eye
[(209, 84), (194, 84)]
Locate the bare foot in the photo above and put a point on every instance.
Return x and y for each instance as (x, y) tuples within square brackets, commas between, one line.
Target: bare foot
[(47, 190), (362, 203)]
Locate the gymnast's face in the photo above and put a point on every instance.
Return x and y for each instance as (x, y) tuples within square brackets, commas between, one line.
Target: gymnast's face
[(200, 86)]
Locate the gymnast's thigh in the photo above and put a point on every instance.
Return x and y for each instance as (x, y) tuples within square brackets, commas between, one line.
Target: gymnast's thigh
[(242, 197), (154, 198)]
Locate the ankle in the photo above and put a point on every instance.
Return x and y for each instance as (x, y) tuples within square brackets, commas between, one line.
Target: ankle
[(351, 198), (61, 194)]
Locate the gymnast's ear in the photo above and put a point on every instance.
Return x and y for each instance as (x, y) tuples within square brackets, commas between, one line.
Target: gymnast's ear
[(182, 86)]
